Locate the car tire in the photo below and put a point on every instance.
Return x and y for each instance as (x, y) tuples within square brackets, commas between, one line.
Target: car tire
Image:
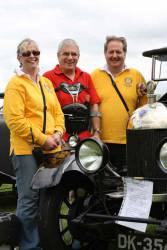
[(54, 222)]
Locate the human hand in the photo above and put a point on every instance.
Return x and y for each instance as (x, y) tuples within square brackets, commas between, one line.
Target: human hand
[(57, 137), (97, 133), (141, 89), (50, 143)]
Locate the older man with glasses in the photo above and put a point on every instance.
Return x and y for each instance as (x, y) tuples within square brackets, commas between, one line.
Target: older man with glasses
[(74, 86)]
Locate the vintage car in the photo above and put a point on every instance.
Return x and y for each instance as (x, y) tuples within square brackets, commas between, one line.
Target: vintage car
[(88, 204), (6, 171)]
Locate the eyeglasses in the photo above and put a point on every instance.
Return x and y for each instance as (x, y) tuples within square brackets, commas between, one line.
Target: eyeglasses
[(28, 53), (73, 54)]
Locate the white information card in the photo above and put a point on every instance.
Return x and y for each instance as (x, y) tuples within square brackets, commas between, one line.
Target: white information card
[(136, 203)]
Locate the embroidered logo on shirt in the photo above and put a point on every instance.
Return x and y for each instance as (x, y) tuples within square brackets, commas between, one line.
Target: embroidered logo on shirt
[(128, 81)]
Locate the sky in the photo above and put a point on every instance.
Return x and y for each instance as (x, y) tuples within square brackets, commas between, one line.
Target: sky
[(142, 22)]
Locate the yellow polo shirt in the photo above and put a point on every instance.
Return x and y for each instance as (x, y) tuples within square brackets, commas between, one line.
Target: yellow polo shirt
[(23, 109), (114, 115)]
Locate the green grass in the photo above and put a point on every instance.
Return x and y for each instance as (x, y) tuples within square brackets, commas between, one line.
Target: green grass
[(5, 188), (8, 198)]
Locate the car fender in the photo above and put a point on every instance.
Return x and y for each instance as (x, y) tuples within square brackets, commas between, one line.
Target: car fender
[(49, 177)]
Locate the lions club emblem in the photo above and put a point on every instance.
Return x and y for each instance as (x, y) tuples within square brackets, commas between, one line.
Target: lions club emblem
[(128, 81)]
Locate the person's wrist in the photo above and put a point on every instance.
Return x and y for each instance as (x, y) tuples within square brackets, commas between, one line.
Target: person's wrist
[(97, 130), (59, 133)]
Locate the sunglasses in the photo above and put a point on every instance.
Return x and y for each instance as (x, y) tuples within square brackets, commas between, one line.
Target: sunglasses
[(28, 53)]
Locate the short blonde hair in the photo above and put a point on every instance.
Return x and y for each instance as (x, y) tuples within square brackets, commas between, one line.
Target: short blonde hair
[(23, 43)]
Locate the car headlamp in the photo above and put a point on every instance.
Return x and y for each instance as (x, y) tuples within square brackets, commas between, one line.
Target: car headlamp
[(91, 155), (73, 141), (162, 155)]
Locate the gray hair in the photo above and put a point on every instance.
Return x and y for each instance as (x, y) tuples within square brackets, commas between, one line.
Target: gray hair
[(115, 38), (67, 41), (24, 42)]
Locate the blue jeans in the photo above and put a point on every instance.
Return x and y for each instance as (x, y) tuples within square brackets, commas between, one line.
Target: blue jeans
[(27, 203)]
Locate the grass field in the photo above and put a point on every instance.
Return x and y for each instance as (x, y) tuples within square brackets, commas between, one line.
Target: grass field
[(8, 198)]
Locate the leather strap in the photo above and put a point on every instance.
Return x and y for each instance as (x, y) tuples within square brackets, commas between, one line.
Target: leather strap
[(119, 94), (44, 113), (44, 108)]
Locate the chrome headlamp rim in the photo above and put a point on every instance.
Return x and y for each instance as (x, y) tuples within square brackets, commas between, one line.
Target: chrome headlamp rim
[(158, 153), (104, 150)]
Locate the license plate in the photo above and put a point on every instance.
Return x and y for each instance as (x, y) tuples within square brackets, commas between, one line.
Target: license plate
[(141, 242)]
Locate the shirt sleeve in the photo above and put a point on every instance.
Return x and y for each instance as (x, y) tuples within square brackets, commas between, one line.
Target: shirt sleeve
[(94, 98), (13, 112), (59, 116)]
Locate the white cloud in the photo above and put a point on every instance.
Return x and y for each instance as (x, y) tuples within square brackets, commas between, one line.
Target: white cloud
[(88, 22)]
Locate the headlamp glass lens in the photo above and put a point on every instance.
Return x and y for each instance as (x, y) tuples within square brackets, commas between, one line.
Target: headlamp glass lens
[(163, 156), (73, 140), (91, 156)]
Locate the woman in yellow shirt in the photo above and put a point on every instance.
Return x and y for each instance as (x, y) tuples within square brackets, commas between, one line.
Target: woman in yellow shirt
[(24, 115)]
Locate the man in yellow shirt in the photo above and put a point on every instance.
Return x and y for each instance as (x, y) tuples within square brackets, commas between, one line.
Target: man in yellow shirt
[(115, 114)]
